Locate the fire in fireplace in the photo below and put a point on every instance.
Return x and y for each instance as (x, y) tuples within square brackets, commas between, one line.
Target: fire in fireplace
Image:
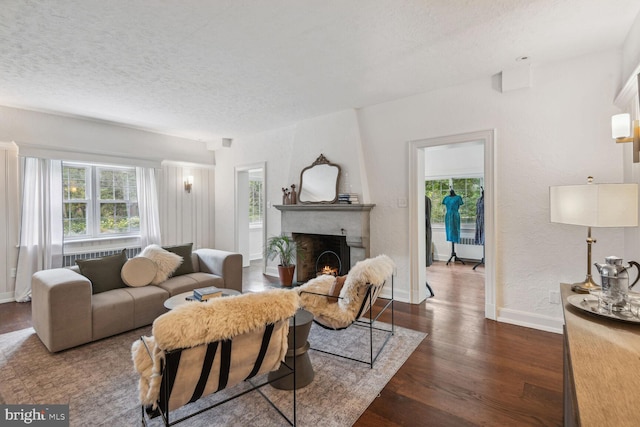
[(321, 254), (328, 263)]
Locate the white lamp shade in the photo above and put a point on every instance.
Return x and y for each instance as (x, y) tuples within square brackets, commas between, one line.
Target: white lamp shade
[(190, 179), (595, 205), (621, 125)]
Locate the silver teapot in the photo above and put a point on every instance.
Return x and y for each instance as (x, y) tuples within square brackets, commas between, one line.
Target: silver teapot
[(615, 281)]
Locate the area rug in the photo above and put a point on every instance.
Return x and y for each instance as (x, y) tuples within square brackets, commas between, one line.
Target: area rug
[(98, 383)]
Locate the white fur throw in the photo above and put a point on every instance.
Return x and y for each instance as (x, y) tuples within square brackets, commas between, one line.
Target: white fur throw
[(196, 323), (167, 262), (372, 271), (192, 324)]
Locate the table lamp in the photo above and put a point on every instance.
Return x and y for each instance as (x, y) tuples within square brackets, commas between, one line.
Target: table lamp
[(594, 205)]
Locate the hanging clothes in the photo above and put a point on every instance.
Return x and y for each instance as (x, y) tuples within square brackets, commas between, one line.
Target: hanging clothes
[(452, 217), (428, 233), (479, 240)]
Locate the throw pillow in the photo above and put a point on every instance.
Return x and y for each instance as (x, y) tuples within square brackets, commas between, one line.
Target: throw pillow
[(336, 288), (185, 252), (138, 271), (104, 273), (166, 262)]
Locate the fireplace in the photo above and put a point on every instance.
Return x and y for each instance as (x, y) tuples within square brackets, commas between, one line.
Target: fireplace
[(340, 228), (321, 254)]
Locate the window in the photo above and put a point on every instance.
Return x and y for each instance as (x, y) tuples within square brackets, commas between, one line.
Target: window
[(255, 198), (469, 189), (99, 201)]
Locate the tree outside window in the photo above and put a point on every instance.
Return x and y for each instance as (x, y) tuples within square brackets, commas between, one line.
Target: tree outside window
[(255, 201), (99, 201), (470, 189), (75, 200)]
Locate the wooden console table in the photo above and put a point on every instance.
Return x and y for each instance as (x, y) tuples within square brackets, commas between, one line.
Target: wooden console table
[(601, 369)]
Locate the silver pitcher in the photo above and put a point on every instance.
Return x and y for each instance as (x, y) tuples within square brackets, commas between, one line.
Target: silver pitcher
[(615, 281)]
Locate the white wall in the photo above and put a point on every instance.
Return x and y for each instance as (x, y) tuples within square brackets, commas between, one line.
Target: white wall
[(556, 132), (286, 152)]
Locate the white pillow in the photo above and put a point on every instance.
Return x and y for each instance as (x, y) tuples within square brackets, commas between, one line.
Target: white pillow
[(166, 262), (138, 271)]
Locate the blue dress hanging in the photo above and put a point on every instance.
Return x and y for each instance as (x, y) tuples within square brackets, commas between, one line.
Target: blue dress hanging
[(452, 217)]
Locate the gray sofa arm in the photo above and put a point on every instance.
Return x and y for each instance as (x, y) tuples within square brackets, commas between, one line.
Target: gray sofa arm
[(227, 265), (61, 308)]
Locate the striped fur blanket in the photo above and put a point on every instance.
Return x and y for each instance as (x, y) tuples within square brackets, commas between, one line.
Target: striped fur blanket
[(196, 324)]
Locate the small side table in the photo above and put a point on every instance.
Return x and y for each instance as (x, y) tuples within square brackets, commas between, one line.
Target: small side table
[(180, 299), (304, 369)]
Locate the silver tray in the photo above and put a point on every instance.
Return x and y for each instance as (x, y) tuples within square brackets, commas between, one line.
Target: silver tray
[(589, 304)]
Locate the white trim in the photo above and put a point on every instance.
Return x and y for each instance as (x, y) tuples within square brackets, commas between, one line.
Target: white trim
[(416, 209), (530, 320), (628, 91), (177, 164), (8, 146), (7, 297), (236, 231), (86, 156)]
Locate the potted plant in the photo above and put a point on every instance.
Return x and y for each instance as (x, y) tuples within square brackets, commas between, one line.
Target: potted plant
[(285, 248)]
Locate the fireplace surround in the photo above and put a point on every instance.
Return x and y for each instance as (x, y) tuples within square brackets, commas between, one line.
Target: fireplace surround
[(344, 223)]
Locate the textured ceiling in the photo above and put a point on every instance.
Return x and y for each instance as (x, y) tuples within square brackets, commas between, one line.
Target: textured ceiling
[(205, 69)]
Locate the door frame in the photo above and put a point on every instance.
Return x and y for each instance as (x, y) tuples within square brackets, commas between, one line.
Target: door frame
[(245, 169), (417, 239)]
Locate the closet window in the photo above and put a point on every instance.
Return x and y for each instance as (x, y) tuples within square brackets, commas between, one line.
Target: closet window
[(469, 188)]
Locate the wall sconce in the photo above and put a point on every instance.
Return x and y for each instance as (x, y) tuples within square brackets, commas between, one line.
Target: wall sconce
[(188, 184), (622, 131)]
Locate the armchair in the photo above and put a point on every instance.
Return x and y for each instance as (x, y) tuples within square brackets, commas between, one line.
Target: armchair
[(354, 305), (199, 349)]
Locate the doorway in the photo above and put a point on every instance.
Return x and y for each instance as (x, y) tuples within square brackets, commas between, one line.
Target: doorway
[(250, 213), (417, 150)]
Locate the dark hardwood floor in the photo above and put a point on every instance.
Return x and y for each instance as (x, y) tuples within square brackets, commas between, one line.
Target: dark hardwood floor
[(469, 371)]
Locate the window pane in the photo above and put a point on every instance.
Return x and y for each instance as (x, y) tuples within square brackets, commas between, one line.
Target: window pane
[(436, 190), (255, 202), (75, 219), (469, 189), (74, 182)]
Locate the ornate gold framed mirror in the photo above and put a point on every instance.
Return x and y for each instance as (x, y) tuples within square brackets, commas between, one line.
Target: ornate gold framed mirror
[(319, 182)]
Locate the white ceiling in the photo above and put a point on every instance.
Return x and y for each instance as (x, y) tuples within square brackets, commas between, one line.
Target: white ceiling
[(207, 69)]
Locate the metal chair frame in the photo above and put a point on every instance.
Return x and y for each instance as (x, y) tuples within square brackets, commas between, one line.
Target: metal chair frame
[(164, 412), (367, 323)]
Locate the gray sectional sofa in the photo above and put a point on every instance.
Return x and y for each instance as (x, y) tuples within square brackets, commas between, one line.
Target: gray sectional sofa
[(66, 312)]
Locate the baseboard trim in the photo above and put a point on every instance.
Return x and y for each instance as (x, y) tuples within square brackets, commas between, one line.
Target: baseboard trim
[(529, 320), (6, 297)]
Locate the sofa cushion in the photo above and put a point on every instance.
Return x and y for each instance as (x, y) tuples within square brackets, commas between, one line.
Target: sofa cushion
[(166, 261), (104, 273), (185, 252), (189, 282), (111, 313), (138, 271), (148, 303)]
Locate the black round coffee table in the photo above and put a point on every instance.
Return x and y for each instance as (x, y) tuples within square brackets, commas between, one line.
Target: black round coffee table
[(304, 370)]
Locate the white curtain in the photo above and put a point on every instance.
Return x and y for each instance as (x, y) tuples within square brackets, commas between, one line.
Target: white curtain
[(41, 226), (148, 207)]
